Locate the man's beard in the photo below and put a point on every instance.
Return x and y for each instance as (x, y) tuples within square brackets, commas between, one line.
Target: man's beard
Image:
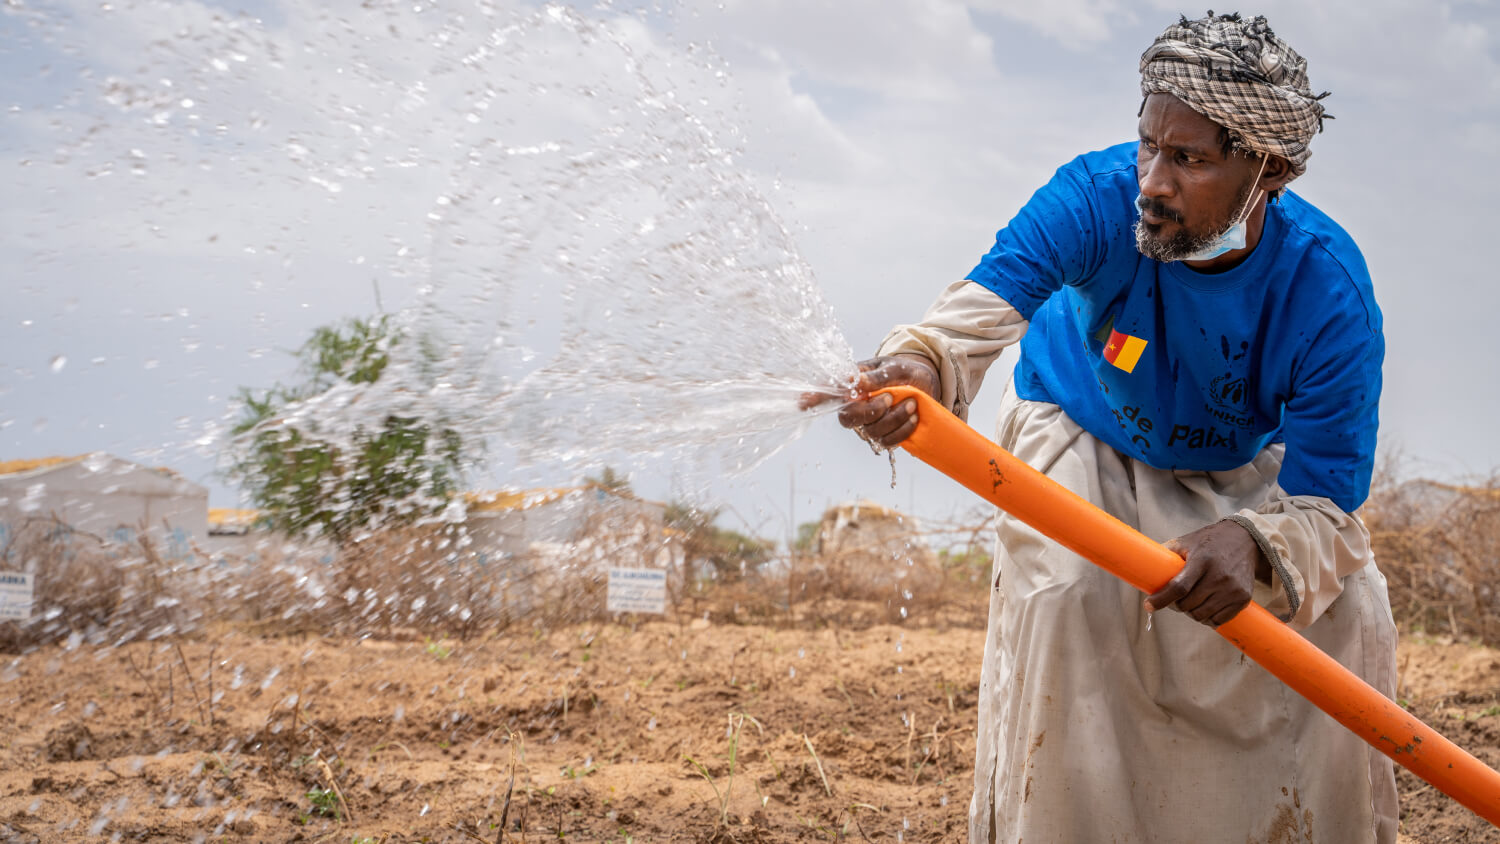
[(1185, 242)]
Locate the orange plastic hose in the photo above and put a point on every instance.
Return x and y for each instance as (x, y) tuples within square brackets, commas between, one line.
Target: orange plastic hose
[(944, 442)]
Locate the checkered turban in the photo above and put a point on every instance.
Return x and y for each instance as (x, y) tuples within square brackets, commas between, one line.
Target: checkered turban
[(1240, 75)]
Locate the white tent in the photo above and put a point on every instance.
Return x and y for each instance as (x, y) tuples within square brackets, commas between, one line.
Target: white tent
[(866, 550), (508, 524), (105, 497), (546, 544)]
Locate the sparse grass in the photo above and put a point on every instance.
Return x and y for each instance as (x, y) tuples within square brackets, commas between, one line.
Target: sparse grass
[(807, 740), (437, 649), (852, 812), (736, 727), (324, 802), (574, 773)]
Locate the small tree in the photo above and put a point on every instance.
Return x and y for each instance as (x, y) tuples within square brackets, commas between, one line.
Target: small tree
[(320, 465), (611, 480)]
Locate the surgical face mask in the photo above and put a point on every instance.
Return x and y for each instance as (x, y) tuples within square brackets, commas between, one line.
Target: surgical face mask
[(1233, 237)]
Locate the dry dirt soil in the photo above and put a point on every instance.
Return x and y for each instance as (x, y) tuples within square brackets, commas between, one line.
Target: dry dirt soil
[(653, 731)]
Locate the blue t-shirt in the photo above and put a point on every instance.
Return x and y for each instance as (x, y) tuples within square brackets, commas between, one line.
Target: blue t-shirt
[(1189, 370)]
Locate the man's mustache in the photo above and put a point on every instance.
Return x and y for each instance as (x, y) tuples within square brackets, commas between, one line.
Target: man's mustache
[(1156, 209)]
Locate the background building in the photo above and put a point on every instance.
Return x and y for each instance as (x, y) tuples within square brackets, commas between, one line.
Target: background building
[(105, 497)]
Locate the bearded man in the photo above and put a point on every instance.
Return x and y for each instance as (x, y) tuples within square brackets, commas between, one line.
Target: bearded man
[(1200, 357)]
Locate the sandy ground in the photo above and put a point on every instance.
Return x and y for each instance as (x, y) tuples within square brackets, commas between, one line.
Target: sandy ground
[(599, 732)]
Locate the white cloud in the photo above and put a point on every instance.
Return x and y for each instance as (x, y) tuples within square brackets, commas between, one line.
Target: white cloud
[(904, 49), (1075, 24)]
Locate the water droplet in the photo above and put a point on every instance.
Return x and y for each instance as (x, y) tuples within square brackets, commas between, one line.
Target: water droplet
[(58, 362), (661, 193)]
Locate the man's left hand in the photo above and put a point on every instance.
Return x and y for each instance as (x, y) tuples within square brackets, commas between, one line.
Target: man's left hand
[(1222, 563)]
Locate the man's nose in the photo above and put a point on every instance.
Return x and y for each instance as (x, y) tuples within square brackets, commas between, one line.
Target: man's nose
[(1155, 181)]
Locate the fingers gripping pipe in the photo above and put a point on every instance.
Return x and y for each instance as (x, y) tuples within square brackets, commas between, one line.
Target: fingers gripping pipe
[(944, 442)]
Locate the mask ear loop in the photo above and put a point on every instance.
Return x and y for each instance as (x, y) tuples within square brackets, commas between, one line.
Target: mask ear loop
[(1250, 201)]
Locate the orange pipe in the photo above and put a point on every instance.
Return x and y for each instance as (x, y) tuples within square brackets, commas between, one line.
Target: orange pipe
[(944, 442)]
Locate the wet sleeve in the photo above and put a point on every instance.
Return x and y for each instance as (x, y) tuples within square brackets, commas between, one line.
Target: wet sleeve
[(1057, 238), (1054, 240), (1307, 527), (962, 333), (1331, 419)]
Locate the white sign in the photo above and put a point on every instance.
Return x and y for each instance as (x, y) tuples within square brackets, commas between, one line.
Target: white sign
[(637, 590), (15, 595)]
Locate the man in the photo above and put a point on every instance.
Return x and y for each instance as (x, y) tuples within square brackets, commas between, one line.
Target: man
[(1201, 358)]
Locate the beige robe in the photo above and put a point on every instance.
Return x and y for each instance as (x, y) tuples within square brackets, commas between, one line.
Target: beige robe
[(1099, 724)]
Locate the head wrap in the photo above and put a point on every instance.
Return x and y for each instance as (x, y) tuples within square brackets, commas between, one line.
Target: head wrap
[(1238, 74)]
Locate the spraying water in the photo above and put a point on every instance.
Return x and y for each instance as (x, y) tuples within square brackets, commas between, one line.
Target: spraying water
[(546, 207), (672, 310), (568, 231), (569, 268)]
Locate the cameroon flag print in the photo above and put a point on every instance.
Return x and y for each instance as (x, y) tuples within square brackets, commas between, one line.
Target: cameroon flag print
[(1124, 351)]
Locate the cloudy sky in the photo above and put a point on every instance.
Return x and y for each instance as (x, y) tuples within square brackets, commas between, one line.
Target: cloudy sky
[(191, 187)]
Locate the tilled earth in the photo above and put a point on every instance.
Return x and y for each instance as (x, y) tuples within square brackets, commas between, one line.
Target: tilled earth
[(596, 732)]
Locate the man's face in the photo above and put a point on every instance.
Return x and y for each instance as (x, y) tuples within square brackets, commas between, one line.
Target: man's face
[(1192, 191)]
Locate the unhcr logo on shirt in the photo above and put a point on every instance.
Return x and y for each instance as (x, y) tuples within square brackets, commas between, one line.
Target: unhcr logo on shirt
[(1231, 400)]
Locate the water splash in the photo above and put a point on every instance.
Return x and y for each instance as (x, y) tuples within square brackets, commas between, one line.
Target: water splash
[(581, 267), (672, 312), (528, 187)]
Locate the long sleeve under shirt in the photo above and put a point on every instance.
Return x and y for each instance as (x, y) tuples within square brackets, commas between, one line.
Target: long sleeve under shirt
[(1188, 370)]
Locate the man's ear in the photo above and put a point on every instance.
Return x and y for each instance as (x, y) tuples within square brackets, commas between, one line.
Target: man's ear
[(1278, 174)]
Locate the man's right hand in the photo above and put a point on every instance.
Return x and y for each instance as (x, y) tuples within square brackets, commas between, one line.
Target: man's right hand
[(878, 419)]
